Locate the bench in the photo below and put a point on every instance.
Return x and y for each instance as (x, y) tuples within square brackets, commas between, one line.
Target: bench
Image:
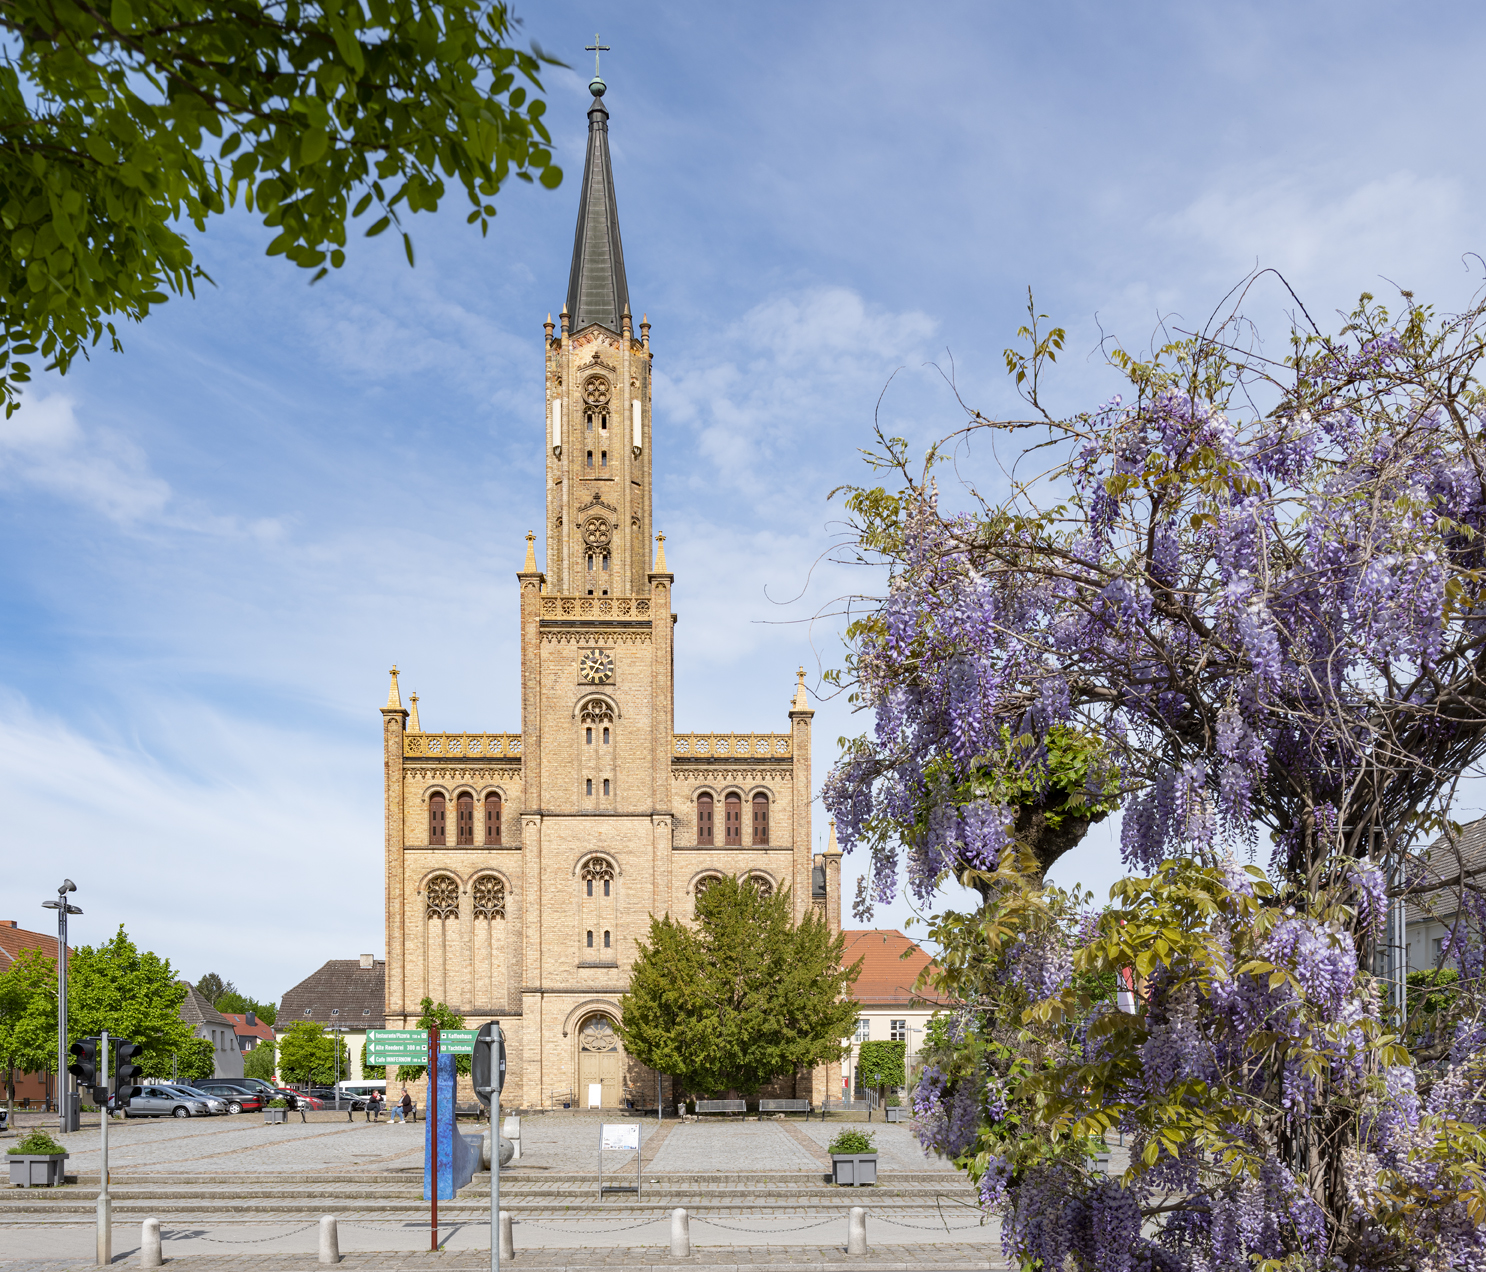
[(476, 1111), (784, 1106), (722, 1106)]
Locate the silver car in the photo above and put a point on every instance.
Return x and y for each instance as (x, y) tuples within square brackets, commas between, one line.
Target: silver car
[(214, 1104), (160, 1101)]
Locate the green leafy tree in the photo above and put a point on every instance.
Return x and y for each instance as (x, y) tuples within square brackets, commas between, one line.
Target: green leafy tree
[(133, 994), (883, 1065), (744, 996), (124, 122), (196, 1059), (372, 1071), (213, 988), (308, 1054), (241, 1004), (434, 1016), (259, 1062), (28, 1017)]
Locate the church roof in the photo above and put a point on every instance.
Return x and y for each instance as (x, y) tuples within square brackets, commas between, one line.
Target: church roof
[(597, 289)]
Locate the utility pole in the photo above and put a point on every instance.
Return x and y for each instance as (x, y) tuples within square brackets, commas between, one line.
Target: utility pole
[(66, 1105)]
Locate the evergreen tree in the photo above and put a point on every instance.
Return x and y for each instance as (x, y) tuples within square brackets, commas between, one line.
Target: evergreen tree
[(744, 996)]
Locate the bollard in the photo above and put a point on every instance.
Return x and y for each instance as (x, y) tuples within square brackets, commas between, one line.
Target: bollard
[(507, 1247), (330, 1241), (680, 1234), (512, 1131), (149, 1243), (856, 1231)]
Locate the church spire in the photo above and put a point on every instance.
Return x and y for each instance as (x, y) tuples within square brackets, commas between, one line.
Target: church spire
[(597, 289)]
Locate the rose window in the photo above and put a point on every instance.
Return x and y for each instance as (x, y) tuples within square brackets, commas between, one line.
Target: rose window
[(489, 896), (442, 894)]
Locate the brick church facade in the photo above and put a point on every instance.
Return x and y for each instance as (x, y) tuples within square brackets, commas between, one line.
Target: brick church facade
[(522, 866)]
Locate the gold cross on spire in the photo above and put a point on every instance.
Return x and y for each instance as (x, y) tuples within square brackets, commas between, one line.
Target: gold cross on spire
[(596, 48)]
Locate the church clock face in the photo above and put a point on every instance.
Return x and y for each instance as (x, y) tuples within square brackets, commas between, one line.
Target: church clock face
[(596, 667)]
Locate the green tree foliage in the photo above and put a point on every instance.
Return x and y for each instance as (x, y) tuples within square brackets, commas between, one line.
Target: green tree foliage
[(308, 1054), (123, 122), (434, 1016), (28, 1017), (259, 1062), (133, 994), (883, 1065), (742, 997), (213, 988), (372, 1071), (241, 1004), (195, 1060)]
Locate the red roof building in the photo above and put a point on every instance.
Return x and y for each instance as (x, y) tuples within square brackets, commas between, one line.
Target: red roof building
[(890, 1009), (249, 1029)]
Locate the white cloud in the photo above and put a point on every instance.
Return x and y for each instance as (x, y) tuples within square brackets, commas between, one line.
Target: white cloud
[(226, 850), (43, 445)]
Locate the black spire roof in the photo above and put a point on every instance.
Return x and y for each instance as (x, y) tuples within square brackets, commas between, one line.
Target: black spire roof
[(597, 290)]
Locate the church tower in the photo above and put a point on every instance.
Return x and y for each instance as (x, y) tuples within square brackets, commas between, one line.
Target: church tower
[(598, 402), (522, 867)]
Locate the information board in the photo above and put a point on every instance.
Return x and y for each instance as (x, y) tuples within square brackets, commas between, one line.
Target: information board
[(619, 1135)]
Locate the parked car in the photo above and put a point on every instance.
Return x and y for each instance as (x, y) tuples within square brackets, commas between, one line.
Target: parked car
[(266, 1090), (215, 1104), (327, 1094), (159, 1101), (295, 1098), (237, 1100)]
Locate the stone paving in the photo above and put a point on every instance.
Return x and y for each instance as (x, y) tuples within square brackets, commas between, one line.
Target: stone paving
[(945, 1257), (940, 1230)]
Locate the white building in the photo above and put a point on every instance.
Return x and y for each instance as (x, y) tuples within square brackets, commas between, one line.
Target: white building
[(889, 1010), (207, 1022)]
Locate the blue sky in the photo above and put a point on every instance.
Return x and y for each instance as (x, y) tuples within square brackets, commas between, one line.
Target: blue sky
[(218, 542)]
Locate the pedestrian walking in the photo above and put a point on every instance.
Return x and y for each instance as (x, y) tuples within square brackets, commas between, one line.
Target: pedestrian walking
[(301, 1105)]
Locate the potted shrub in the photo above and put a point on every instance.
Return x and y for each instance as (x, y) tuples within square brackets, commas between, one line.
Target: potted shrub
[(894, 1109), (277, 1111), (853, 1159), (37, 1161)]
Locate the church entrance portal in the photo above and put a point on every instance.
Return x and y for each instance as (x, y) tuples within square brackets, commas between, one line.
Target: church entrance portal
[(598, 1062)]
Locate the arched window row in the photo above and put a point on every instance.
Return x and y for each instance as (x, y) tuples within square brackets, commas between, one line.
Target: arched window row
[(732, 819), (758, 879), (487, 897), (464, 818)]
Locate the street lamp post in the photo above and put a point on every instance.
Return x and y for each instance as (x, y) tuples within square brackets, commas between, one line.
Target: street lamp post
[(68, 1115), (335, 1030)]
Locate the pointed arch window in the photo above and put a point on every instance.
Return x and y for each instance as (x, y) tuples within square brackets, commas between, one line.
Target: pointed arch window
[(704, 820), (464, 806), (760, 819), (436, 810), (732, 812), (492, 818)]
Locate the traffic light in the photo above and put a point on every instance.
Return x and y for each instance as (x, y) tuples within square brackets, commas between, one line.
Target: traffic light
[(126, 1071), (84, 1067)]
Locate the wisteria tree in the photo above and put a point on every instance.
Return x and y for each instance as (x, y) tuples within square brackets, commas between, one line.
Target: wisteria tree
[(1241, 600)]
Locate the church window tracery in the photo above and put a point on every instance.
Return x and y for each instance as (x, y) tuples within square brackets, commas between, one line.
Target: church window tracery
[(442, 897), (732, 819), (492, 818), (465, 812), (762, 884), (488, 897), (597, 868), (704, 820), (436, 809), (596, 711)]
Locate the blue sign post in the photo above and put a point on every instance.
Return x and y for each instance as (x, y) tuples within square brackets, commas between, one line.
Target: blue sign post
[(448, 1157)]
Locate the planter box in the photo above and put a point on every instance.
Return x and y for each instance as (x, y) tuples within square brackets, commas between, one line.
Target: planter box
[(894, 1113), (270, 1116), (36, 1170), (853, 1169)]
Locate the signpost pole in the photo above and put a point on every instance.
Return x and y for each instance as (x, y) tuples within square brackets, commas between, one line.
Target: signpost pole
[(105, 1202), (495, 1177), (433, 1135)]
